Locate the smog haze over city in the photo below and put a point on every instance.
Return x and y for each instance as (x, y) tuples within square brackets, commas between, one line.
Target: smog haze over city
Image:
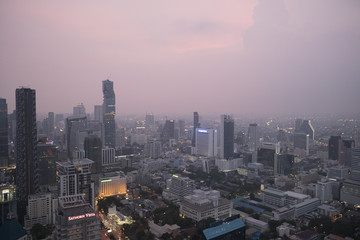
[(173, 120), (238, 57)]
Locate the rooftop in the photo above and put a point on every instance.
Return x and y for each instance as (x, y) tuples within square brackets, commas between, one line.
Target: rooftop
[(224, 228)]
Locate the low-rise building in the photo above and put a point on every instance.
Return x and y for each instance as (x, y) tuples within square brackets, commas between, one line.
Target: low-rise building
[(257, 224), (205, 204)]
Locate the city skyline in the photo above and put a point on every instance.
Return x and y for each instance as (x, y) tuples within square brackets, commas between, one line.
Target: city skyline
[(240, 57)]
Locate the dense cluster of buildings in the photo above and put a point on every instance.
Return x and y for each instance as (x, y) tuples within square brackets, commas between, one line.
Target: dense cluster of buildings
[(53, 171)]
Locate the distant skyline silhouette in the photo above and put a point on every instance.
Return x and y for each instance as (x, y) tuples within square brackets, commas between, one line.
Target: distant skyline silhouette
[(179, 57)]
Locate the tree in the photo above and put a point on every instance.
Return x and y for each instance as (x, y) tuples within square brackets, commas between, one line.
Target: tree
[(38, 231)]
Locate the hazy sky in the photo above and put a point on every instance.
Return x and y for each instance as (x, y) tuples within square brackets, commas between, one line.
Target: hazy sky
[(182, 56)]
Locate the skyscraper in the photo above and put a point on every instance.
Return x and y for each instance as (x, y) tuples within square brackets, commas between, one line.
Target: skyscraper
[(75, 140), (75, 178), (355, 164), (226, 137), (98, 113), (93, 148), (196, 125), (168, 131), (206, 142), (109, 113), (334, 147), (26, 147), (4, 154), (253, 140), (306, 127)]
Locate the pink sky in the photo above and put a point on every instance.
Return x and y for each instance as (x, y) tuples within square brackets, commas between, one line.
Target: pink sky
[(184, 56)]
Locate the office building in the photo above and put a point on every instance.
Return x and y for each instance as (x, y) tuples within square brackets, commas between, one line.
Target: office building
[(355, 164), (27, 180), (324, 191), (75, 134), (181, 126), (266, 155), (107, 156), (112, 184), (206, 142), (283, 163), (4, 149), (334, 147), (346, 146), (226, 137), (253, 140), (196, 125), (232, 228), (93, 151), (168, 131), (307, 206), (350, 192), (338, 173), (98, 113), (205, 204), (256, 224), (305, 126), (39, 210), (75, 178), (47, 158), (109, 113), (76, 219), (301, 143)]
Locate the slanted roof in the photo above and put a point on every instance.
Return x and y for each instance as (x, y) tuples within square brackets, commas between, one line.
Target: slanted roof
[(11, 229), (224, 228)]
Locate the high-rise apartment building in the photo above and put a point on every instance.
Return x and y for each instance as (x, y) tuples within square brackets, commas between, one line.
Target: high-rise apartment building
[(206, 142), (226, 137), (4, 154), (27, 181), (39, 210), (149, 121), (196, 125), (109, 113), (75, 178)]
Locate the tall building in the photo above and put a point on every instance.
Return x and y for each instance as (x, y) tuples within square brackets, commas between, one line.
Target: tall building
[(181, 124), (346, 146), (76, 219), (283, 164), (47, 158), (196, 125), (39, 210), (206, 142), (253, 140), (107, 156), (98, 113), (149, 121), (27, 181), (109, 113), (75, 178), (4, 149), (334, 147), (75, 134), (79, 110), (355, 164), (168, 131), (301, 142), (153, 149), (226, 137), (323, 191), (93, 151), (306, 127)]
